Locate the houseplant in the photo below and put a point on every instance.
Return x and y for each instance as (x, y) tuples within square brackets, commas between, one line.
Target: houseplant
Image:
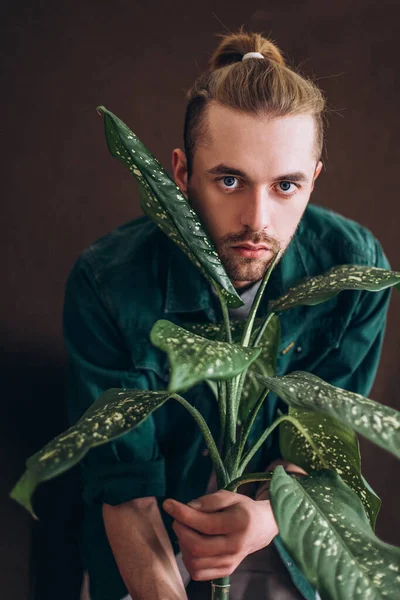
[(334, 506)]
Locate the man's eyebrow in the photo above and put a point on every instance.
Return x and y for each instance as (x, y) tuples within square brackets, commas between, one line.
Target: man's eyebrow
[(223, 169), (296, 176)]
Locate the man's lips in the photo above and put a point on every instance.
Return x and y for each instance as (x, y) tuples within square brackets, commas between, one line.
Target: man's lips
[(248, 251)]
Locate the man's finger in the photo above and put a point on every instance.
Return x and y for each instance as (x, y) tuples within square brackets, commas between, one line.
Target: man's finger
[(288, 466), (200, 545), (209, 574), (217, 523), (198, 567)]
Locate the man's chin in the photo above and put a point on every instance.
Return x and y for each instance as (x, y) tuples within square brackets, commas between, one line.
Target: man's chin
[(247, 273)]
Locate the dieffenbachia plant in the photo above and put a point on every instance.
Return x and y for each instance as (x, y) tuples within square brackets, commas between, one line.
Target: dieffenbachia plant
[(326, 519)]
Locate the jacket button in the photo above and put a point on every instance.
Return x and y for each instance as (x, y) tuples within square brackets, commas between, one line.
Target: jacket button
[(299, 349)]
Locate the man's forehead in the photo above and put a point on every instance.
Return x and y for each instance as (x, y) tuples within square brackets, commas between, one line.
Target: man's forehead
[(254, 144)]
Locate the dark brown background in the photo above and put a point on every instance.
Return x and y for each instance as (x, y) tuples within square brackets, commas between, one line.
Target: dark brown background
[(62, 190)]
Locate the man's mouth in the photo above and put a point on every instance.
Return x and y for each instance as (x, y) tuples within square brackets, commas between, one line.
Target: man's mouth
[(251, 251)]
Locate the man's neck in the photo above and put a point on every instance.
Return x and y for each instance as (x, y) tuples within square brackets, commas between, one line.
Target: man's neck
[(247, 285), (247, 294)]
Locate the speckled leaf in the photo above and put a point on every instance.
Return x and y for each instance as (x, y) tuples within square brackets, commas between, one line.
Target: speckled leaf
[(193, 358), (163, 202), (265, 363), (323, 526), (114, 413), (376, 422), (337, 448), (343, 277), (211, 331)]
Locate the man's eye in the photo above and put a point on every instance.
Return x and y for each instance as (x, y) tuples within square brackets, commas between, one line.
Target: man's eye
[(285, 187), (228, 181)]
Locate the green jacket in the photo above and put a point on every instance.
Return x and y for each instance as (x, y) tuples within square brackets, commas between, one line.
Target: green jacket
[(135, 275)]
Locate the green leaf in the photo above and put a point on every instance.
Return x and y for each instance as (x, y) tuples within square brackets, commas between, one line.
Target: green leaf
[(376, 422), (163, 202), (213, 331), (23, 490), (194, 358), (113, 414), (336, 447), (265, 363), (323, 526), (315, 290)]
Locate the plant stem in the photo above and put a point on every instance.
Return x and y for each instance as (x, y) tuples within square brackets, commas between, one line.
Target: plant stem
[(249, 423), (230, 426), (246, 337), (230, 420), (225, 316), (263, 476), (220, 471), (254, 307), (221, 401), (239, 388), (251, 452), (220, 588), (263, 328)]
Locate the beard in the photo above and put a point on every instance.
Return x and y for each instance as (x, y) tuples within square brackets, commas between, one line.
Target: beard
[(250, 270), (240, 268)]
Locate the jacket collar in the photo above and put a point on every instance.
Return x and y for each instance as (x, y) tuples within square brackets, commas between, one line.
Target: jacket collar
[(187, 290)]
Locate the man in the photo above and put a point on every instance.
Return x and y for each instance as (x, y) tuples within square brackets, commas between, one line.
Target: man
[(249, 176)]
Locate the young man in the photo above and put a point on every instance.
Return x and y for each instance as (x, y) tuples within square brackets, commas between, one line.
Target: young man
[(253, 141)]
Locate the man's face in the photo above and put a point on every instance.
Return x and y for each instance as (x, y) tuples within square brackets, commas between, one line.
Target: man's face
[(251, 182)]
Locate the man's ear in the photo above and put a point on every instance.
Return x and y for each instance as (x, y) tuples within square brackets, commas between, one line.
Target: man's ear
[(316, 173), (179, 169)]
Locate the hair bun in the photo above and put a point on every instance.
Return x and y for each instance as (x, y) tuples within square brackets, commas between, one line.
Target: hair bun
[(234, 46)]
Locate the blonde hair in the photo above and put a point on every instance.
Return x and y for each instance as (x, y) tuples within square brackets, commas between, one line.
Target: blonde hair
[(263, 87)]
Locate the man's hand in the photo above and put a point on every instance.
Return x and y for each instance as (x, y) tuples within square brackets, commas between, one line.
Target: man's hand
[(217, 531)]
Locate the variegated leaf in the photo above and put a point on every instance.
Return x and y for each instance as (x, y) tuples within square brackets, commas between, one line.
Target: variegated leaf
[(193, 358), (163, 202), (323, 526), (376, 422), (114, 413), (315, 290), (265, 363), (336, 447)]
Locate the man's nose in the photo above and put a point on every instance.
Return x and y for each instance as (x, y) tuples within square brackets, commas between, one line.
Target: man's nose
[(256, 212)]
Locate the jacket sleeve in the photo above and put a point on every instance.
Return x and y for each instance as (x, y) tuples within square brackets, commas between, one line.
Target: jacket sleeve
[(131, 466), (354, 363)]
